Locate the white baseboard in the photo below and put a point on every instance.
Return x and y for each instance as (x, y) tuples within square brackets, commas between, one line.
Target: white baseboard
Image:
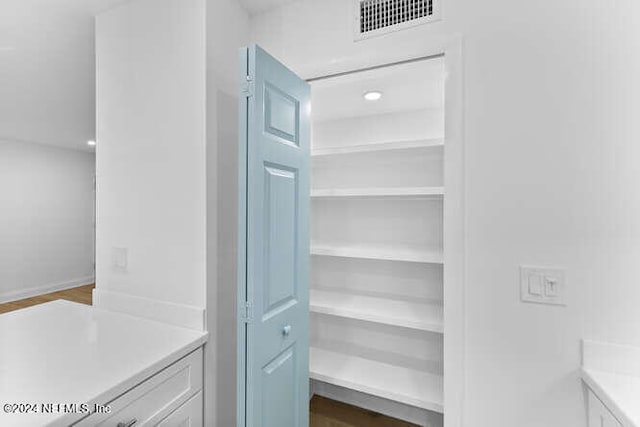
[(376, 404), (312, 389), (44, 289), (185, 316)]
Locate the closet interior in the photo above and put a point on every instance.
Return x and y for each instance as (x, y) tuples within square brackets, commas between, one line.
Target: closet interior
[(377, 193)]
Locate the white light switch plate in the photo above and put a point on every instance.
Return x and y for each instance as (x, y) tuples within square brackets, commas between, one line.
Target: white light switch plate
[(543, 285)]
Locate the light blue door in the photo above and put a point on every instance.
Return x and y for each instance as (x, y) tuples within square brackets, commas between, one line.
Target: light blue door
[(273, 339)]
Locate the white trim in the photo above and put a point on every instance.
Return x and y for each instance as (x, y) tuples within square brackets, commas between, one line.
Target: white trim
[(455, 220), (312, 389), (185, 316), (45, 289), (451, 47), (432, 48)]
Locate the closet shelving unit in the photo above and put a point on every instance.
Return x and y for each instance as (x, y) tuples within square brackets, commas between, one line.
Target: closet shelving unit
[(379, 192), (424, 317), (408, 386), (379, 253), (377, 231), (380, 377), (388, 146)]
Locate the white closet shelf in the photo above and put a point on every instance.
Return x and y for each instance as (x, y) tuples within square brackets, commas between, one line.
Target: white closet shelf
[(380, 192), (386, 146), (409, 386), (379, 253), (426, 317)]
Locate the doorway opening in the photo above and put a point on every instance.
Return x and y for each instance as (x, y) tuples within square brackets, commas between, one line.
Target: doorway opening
[(377, 239)]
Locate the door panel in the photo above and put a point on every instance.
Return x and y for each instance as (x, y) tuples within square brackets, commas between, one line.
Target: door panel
[(274, 244), (281, 206), (281, 114), (280, 388)]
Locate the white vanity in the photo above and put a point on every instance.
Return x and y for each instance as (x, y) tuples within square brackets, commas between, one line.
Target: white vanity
[(611, 374), (64, 363)]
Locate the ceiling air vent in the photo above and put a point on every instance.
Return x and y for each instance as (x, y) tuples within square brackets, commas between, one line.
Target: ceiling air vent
[(375, 17)]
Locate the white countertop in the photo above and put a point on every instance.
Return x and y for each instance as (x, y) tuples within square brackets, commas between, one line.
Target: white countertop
[(619, 393), (612, 372), (64, 352)]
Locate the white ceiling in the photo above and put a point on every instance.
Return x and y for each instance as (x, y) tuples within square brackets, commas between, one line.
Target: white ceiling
[(411, 86), (47, 70), (255, 7)]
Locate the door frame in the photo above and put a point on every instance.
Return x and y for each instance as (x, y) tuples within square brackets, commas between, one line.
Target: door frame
[(241, 340), (455, 216), (449, 47)]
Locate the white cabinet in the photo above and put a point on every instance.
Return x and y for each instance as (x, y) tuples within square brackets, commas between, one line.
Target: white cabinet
[(188, 415), (599, 415), (170, 397)]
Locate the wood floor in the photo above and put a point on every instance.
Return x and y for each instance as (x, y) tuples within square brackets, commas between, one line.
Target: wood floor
[(323, 412), (329, 413), (81, 294)]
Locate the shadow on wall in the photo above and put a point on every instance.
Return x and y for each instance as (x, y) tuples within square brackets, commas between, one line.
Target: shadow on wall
[(227, 170)]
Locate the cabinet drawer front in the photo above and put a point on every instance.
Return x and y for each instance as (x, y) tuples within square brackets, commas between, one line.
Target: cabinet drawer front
[(188, 415), (155, 398), (599, 415)]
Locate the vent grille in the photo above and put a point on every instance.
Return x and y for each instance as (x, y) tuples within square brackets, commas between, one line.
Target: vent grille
[(378, 14)]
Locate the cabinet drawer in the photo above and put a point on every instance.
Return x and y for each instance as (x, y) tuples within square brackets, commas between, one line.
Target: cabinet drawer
[(190, 414), (599, 415), (155, 398)]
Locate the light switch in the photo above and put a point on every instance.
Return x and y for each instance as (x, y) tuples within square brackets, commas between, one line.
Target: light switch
[(543, 285), (535, 285), (550, 286)]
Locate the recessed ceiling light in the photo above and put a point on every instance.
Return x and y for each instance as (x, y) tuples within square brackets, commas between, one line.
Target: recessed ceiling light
[(372, 95), (91, 143)]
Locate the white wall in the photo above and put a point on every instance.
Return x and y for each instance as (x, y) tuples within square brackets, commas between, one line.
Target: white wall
[(46, 219), (151, 150), (551, 101), (167, 167), (227, 31)]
